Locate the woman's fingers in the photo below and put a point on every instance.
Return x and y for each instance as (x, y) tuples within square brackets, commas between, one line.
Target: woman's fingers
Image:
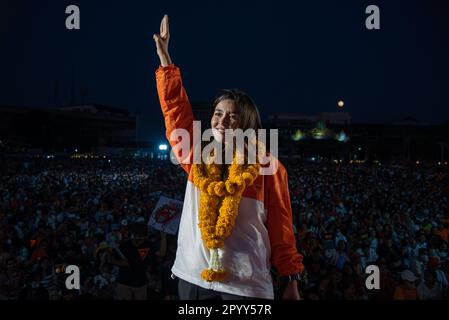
[(164, 27), (167, 26), (161, 28), (157, 39), (161, 41)]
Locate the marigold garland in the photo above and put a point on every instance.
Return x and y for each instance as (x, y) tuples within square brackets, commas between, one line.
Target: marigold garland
[(219, 203)]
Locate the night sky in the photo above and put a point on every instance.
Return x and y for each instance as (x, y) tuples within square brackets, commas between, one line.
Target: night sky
[(290, 56)]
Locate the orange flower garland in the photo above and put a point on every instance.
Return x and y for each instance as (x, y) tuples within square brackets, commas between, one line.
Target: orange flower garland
[(219, 203)]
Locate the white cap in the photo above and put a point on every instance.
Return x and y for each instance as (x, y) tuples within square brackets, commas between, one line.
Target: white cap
[(408, 276)]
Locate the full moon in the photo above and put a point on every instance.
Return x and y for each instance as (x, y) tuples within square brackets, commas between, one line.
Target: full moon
[(341, 103)]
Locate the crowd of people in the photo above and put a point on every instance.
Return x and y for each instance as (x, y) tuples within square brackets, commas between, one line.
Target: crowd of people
[(93, 213), (55, 213), (350, 216)]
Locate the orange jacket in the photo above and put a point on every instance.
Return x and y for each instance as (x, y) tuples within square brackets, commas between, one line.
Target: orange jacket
[(272, 190)]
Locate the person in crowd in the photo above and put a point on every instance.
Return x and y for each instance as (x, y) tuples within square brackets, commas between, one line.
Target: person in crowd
[(135, 257), (429, 288), (40, 228), (406, 290)]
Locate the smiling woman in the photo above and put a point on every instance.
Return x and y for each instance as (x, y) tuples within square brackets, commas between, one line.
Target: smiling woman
[(230, 210), (226, 115), (233, 109)]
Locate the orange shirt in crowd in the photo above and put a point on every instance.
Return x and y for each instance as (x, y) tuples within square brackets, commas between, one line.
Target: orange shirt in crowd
[(403, 292)]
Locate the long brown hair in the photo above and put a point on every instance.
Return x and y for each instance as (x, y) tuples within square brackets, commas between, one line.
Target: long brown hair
[(248, 111)]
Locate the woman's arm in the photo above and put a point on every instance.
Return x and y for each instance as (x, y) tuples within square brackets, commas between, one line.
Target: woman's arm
[(174, 102), (284, 254), (162, 40)]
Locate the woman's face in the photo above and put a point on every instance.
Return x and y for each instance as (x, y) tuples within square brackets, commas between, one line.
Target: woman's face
[(226, 116)]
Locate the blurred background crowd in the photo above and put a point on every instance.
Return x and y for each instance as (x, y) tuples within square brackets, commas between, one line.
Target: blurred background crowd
[(94, 213)]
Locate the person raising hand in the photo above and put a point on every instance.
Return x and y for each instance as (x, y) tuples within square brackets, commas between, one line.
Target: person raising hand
[(236, 222)]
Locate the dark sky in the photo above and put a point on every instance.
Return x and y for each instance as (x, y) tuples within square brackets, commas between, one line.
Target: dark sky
[(290, 56)]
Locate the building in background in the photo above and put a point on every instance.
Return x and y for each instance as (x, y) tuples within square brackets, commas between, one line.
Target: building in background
[(103, 130), (294, 120), (88, 128), (334, 136)]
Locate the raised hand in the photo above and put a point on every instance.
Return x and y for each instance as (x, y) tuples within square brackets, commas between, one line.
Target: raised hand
[(161, 41)]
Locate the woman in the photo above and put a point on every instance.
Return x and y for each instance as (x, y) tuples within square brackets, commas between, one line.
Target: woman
[(235, 222)]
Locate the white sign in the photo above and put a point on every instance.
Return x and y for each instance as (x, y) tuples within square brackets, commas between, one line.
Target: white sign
[(166, 215)]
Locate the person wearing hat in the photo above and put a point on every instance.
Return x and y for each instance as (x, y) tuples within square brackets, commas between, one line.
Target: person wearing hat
[(406, 290)]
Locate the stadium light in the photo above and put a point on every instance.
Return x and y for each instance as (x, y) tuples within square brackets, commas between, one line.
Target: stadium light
[(163, 147)]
